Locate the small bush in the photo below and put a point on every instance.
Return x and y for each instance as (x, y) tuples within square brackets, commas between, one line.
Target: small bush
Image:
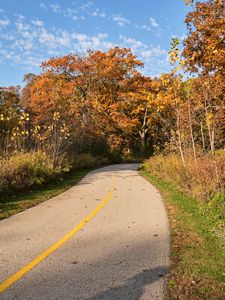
[(83, 161), (86, 161), (24, 170)]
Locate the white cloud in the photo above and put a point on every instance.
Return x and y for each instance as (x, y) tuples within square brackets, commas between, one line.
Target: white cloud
[(103, 35), (19, 17), (97, 42), (37, 23), (48, 39), (71, 13), (23, 44), (7, 36), (86, 5), (146, 54), (153, 27), (155, 58), (65, 39), (80, 37), (145, 50), (4, 22), (21, 26), (98, 13), (154, 23), (143, 27), (34, 43), (5, 53), (102, 15), (43, 6), (131, 42), (29, 42), (56, 8), (121, 21)]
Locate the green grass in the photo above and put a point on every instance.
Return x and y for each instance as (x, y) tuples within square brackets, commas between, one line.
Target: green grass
[(10, 205), (197, 245)]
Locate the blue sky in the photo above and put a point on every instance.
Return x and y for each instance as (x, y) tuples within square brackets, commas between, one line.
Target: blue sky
[(33, 31)]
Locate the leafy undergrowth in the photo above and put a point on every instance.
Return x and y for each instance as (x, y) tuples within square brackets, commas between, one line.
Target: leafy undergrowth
[(27, 179), (202, 178), (10, 205), (197, 246), (22, 171)]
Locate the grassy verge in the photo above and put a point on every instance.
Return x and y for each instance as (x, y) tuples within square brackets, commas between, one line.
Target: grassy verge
[(197, 246), (10, 205)]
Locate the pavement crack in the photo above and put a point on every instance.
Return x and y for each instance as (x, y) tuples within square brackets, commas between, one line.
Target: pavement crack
[(120, 262)]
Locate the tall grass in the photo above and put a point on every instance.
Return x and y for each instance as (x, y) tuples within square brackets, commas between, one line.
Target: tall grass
[(203, 178), (24, 170)]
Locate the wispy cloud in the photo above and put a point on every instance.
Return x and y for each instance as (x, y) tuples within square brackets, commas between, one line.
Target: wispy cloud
[(98, 13), (71, 13), (56, 8), (146, 53), (152, 27), (66, 12), (131, 42), (86, 5), (96, 42), (146, 50), (120, 20), (37, 23), (155, 58), (153, 22), (27, 42), (143, 27), (43, 6), (30, 42), (4, 22)]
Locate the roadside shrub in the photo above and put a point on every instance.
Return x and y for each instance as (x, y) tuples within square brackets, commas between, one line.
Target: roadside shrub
[(83, 161), (23, 170), (203, 179), (86, 160)]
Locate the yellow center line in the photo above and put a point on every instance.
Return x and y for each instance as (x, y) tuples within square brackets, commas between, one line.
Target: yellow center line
[(15, 277)]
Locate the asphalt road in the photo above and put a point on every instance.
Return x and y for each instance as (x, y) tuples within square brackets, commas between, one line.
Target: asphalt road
[(121, 253)]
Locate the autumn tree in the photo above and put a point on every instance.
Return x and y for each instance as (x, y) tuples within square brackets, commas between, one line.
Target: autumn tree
[(204, 49), (204, 54), (88, 92), (9, 111)]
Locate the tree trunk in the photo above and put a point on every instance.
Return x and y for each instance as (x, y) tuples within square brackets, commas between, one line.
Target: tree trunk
[(191, 130), (143, 132), (213, 141), (179, 135), (203, 137)]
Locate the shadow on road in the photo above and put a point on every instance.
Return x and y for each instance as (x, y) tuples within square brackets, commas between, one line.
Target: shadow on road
[(113, 258), (102, 172), (134, 286)]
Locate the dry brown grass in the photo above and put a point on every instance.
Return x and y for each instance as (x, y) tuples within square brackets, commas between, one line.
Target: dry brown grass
[(203, 178), (24, 170)]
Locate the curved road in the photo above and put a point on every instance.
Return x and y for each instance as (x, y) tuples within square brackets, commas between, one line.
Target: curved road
[(120, 252)]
